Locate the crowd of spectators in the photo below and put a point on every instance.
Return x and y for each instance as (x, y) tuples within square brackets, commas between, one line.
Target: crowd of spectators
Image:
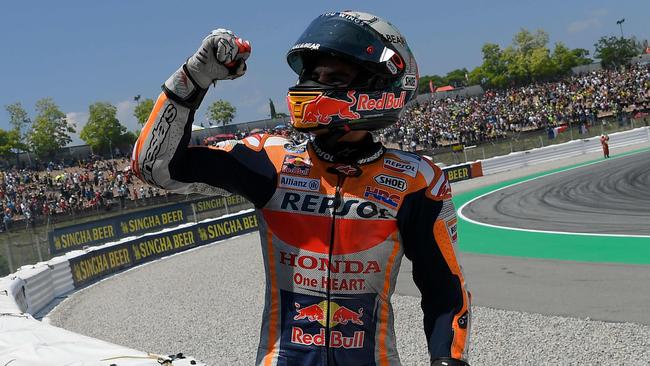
[(580, 99), (57, 189), (94, 183)]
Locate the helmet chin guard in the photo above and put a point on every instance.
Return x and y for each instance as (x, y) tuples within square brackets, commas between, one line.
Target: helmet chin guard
[(389, 74)]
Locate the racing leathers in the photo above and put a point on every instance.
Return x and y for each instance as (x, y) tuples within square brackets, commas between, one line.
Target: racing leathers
[(332, 232)]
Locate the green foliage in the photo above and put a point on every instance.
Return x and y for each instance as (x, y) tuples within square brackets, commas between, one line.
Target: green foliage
[(103, 130), (454, 78), (221, 111), (8, 142), (50, 130), (143, 110), (528, 59), (127, 139), (19, 121), (614, 52)]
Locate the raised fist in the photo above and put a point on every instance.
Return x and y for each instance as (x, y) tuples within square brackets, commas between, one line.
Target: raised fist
[(221, 56)]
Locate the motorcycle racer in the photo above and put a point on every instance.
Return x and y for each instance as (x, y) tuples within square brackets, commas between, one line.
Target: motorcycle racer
[(336, 213)]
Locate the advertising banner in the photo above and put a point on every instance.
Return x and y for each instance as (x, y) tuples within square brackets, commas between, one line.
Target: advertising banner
[(94, 265), (97, 232)]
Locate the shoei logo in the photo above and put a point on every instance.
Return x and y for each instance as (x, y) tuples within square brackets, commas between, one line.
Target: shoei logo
[(409, 82), (400, 166), (391, 182)]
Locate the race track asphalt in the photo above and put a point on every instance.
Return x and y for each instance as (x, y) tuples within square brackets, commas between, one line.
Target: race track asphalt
[(608, 197), (600, 277)]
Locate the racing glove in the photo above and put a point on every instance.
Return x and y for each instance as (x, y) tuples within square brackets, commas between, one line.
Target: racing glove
[(446, 361), (221, 56)]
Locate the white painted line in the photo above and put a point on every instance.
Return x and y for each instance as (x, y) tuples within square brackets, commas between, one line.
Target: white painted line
[(460, 210)]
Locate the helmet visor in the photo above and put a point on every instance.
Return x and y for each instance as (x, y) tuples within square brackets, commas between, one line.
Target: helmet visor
[(341, 37)]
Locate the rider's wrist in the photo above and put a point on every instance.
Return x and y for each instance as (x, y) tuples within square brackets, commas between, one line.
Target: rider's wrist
[(183, 89)]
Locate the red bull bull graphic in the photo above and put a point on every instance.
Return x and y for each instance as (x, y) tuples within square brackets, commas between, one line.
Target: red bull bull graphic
[(313, 313), (339, 315), (293, 164), (343, 315), (309, 109)]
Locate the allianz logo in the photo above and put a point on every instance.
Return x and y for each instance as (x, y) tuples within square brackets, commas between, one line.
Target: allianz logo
[(304, 184)]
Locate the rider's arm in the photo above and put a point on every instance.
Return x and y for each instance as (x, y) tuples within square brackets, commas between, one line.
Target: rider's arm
[(161, 155), (427, 223)]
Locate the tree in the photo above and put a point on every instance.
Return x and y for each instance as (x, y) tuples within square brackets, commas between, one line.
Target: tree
[(272, 109), (221, 111), (8, 142), (19, 121), (614, 52), (103, 131), (50, 130), (565, 58), (423, 84), (143, 109), (527, 59), (456, 77)]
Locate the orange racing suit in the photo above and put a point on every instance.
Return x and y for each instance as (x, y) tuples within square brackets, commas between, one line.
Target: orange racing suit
[(333, 235)]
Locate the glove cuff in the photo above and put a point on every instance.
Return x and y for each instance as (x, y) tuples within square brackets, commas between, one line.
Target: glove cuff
[(183, 89)]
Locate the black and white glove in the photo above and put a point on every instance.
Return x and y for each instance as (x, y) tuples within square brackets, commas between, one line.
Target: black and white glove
[(221, 56), (447, 361)]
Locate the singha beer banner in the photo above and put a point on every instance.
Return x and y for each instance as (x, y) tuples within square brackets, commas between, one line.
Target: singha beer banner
[(97, 232), (94, 265), (463, 172), (102, 231)]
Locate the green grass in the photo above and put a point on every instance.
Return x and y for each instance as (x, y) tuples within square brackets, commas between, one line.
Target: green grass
[(480, 239)]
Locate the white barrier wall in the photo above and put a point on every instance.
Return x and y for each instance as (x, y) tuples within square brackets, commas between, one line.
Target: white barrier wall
[(561, 151), (27, 341)]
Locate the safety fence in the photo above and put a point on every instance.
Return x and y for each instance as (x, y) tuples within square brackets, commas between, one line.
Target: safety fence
[(39, 244), (31, 291), (562, 151)]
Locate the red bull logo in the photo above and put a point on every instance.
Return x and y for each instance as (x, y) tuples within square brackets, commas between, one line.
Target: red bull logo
[(338, 315), (313, 313), (309, 109), (293, 164)]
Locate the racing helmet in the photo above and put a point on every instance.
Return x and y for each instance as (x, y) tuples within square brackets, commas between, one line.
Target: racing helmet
[(387, 80)]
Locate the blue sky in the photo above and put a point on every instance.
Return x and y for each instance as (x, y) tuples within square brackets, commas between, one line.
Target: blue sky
[(82, 52)]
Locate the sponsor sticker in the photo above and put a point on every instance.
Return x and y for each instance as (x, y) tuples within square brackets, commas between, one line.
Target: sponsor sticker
[(409, 82), (452, 228), (304, 184), (296, 149), (400, 166), (391, 182), (382, 196), (297, 165)]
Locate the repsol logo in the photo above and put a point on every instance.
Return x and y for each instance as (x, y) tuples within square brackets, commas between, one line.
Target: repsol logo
[(320, 204)]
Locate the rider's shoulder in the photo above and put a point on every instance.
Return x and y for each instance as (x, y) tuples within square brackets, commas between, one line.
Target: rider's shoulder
[(261, 141), (416, 166)]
